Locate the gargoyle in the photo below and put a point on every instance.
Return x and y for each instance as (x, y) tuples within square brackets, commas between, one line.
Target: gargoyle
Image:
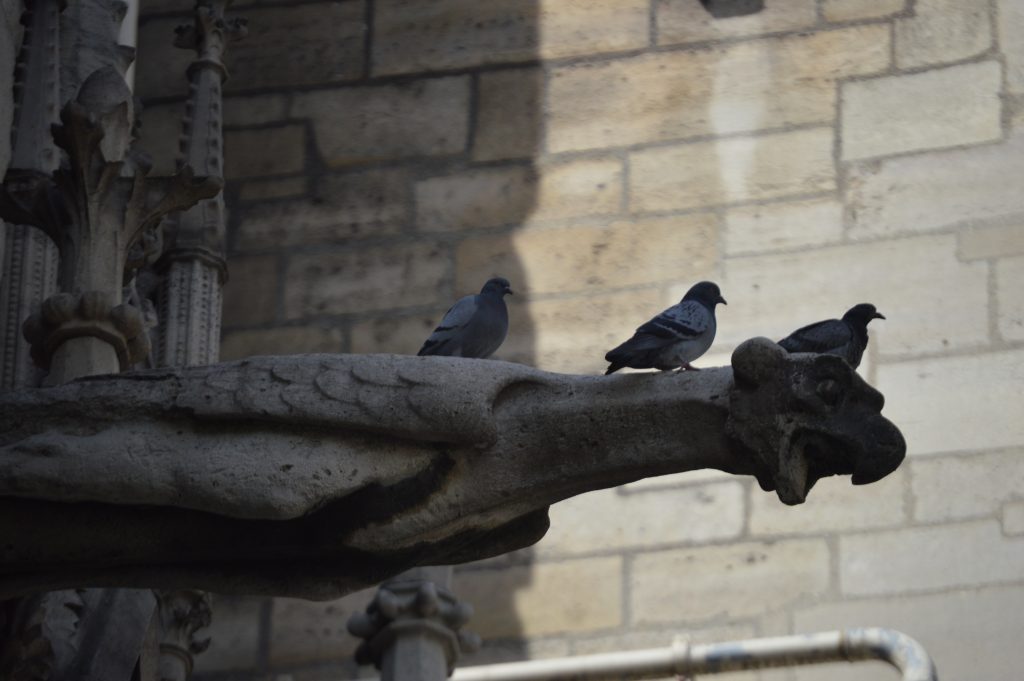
[(316, 475)]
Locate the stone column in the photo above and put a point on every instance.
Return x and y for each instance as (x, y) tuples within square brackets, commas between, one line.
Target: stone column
[(183, 614), (411, 629), (194, 267)]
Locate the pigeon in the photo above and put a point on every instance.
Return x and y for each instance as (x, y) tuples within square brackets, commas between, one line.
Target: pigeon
[(674, 338), (846, 337), (475, 326)]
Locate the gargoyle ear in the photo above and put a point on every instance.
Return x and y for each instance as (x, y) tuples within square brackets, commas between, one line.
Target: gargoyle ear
[(757, 359)]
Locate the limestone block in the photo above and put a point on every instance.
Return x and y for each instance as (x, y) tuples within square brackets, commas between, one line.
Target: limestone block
[(414, 36), (544, 598), (265, 151), (491, 197), (514, 650), (970, 634), (973, 402), (250, 294), (928, 558), (942, 31), (403, 335), (1009, 289), (932, 191), (1013, 518), (378, 122), (740, 87), (234, 635), (286, 340), (159, 135), (681, 21), (661, 637), (622, 253), (613, 519), (921, 276), (350, 205), (737, 580), (365, 279), (834, 505), (967, 486), (1011, 27), (676, 480), (783, 226), (998, 241), (919, 111), (331, 49), (254, 109), (257, 190), (573, 334), (308, 632), (731, 170), (851, 10), (508, 116)]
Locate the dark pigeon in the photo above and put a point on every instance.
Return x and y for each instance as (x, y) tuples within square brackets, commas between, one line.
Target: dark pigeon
[(674, 338), (475, 326), (846, 337)]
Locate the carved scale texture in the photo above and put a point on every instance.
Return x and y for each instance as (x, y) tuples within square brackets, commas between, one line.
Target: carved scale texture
[(190, 313)]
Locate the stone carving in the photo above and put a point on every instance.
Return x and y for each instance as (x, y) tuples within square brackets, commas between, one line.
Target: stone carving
[(183, 615), (317, 475)]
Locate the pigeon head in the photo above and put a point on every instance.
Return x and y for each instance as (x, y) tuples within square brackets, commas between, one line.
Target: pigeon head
[(498, 286), (860, 315), (707, 293)]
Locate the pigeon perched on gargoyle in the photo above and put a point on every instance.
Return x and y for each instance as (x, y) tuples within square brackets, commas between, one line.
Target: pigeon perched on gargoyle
[(475, 326), (674, 338), (846, 337)]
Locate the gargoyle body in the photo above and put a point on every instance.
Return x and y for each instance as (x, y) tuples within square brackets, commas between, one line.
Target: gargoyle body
[(316, 475)]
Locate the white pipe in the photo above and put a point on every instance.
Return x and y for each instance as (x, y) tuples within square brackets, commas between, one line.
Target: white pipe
[(129, 36), (850, 645)]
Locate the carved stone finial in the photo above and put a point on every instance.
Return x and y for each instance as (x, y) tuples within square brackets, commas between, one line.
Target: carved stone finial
[(403, 611), (184, 614)]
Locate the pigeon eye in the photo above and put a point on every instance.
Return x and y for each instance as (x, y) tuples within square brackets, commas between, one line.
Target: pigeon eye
[(829, 391)]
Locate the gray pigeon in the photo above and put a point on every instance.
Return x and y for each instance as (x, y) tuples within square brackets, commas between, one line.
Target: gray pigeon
[(475, 326), (674, 338), (846, 337)]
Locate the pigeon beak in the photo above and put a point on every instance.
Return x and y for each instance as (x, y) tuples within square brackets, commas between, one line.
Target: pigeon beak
[(878, 315), (722, 300), (508, 290)]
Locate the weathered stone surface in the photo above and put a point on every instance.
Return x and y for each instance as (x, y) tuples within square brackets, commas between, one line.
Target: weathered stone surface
[(681, 21), (783, 226), (265, 151), (1011, 26), (12, 31), (614, 519), (414, 36), (285, 340), (403, 335), (331, 49), (660, 638), (1009, 285), (942, 31), (834, 278), (738, 580), (849, 10), (551, 260), (345, 206), (280, 474), (731, 170), (308, 632), (919, 111), (234, 635), (257, 190), (736, 88), (250, 295), (970, 634), (254, 109), (544, 598), (1013, 518), (508, 117), (834, 506), (998, 241), (928, 558), (365, 279), (946, 422), (932, 191), (358, 124), (958, 487), (160, 135), (515, 650), (516, 194)]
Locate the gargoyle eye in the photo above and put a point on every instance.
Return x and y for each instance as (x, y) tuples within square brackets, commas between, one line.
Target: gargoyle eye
[(829, 391)]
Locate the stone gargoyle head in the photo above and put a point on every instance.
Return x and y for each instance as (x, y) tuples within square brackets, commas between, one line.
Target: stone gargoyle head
[(807, 416)]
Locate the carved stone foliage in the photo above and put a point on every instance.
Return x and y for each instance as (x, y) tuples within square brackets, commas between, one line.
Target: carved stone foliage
[(184, 616), (317, 475)]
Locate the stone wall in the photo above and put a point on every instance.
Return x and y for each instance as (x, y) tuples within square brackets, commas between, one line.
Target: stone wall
[(386, 156)]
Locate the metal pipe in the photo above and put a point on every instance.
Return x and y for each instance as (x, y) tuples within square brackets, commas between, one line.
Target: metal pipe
[(683, 659)]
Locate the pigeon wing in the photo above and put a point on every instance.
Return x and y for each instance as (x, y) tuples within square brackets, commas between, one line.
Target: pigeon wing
[(819, 337), (449, 333), (684, 321)]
